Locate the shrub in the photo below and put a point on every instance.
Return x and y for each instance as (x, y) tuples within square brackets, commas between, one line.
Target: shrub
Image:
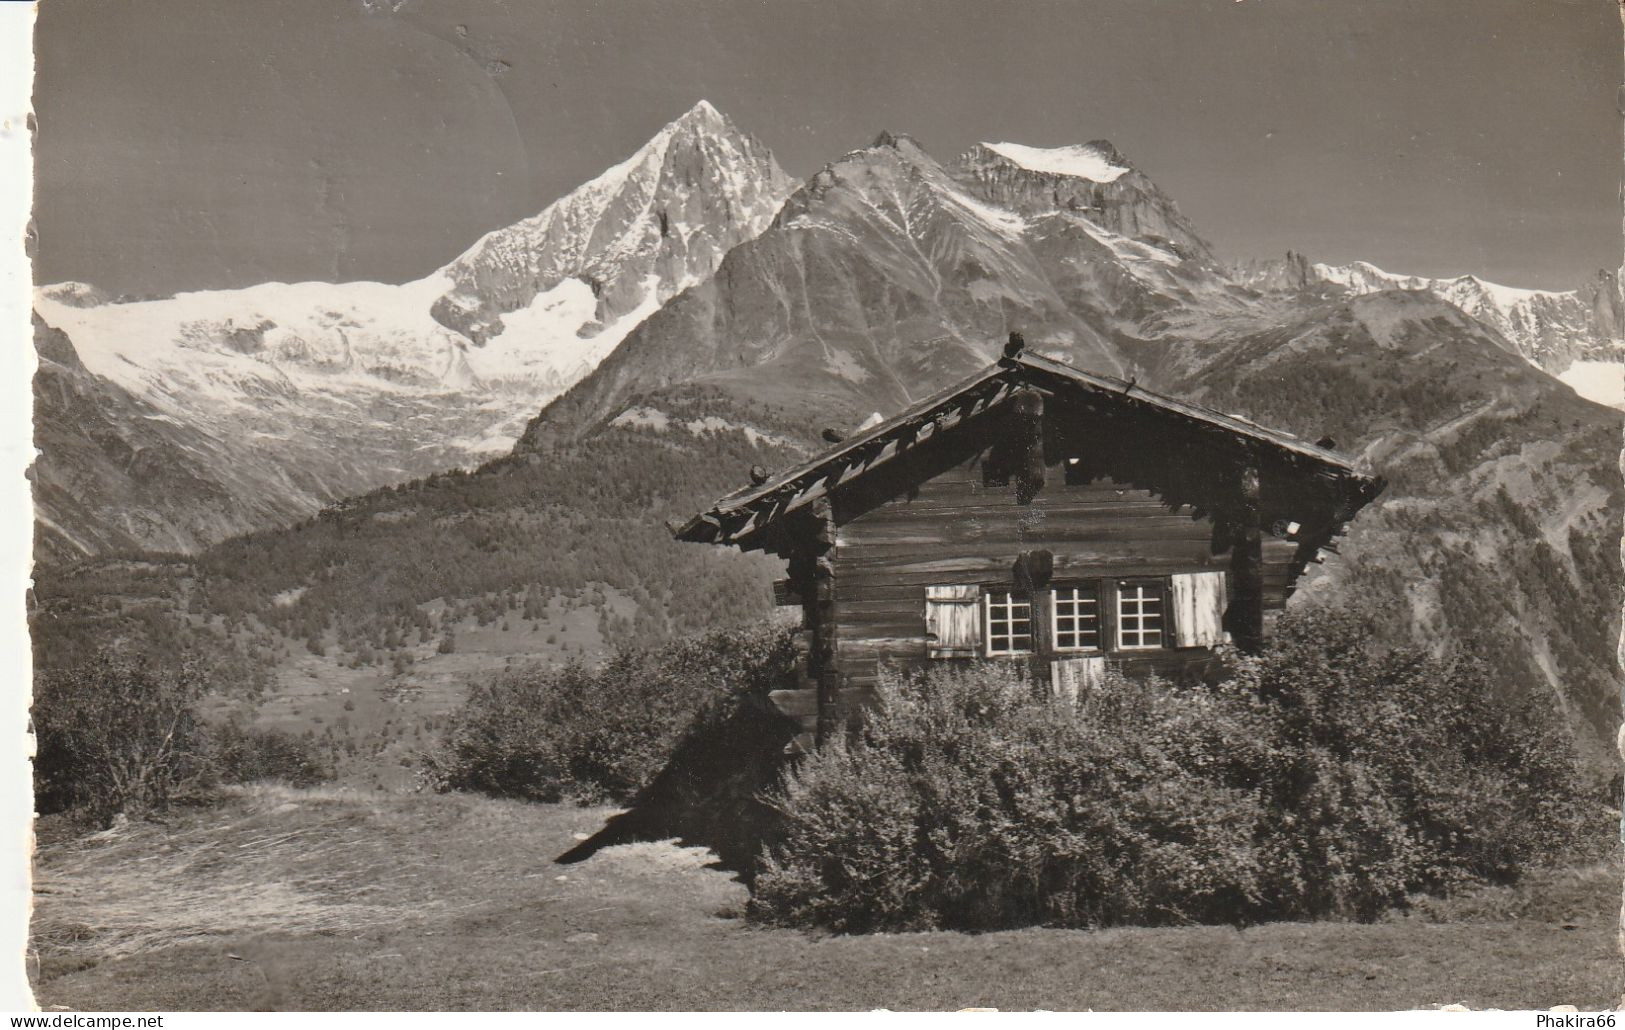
[(237, 754), (1400, 772), (116, 733), (1326, 776), (601, 734), (966, 802)]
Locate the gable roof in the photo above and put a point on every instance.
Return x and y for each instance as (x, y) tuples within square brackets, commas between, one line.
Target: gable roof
[(751, 509)]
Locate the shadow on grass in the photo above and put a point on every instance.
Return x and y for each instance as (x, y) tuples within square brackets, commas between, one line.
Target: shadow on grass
[(708, 794)]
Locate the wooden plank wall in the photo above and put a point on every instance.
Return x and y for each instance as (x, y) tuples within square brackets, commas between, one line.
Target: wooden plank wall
[(952, 528)]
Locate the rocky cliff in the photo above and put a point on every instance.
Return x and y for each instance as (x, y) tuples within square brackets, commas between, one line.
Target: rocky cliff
[(1091, 179)]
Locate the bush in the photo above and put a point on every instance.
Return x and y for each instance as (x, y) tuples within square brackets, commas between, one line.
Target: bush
[(1397, 772), (967, 803), (119, 733), (116, 734), (236, 754), (1326, 777), (601, 734)]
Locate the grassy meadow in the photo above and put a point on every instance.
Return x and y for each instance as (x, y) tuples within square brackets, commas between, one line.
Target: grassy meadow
[(349, 899)]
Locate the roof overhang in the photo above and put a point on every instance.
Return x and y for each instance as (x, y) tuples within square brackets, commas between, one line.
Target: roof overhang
[(740, 518)]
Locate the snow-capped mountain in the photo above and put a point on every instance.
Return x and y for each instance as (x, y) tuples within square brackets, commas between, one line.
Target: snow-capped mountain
[(328, 389), (889, 275), (1577, 336), (1551, 329)]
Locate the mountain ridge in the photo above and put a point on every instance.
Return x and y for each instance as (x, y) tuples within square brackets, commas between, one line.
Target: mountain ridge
[(1552, 329)]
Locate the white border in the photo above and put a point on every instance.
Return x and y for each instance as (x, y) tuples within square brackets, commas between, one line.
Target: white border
[(16, 510)]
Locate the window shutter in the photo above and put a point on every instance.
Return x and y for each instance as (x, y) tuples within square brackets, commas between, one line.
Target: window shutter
[(1073, 678), (1198, 603), (953, 621)]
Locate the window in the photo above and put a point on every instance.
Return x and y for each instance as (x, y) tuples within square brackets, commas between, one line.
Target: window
[(1009, 623), (1083, 618), (1076, 618), (1139, 614)]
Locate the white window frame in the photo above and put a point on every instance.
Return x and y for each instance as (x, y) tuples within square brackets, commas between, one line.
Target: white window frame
[(1009, 601), (1144, 589), (1055, 602)]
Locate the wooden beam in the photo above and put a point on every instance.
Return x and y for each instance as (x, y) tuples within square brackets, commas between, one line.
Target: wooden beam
[(1028, 445), (1031, 575), (1246, 614), (821, 611)]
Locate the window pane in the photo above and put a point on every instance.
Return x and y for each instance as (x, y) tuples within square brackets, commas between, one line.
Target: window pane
[(1009, 623), (1139, 615), (1077, 619)]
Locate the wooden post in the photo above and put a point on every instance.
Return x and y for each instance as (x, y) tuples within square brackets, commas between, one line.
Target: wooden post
[(1033, 568), (800, 702), (819, 609), (1247, 564), (1031, 576), (1029, 450)]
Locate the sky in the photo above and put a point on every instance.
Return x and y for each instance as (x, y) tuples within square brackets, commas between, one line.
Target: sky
[(198, 144)]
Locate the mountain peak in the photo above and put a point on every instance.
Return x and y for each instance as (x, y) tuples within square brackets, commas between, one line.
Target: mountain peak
[(1108, 150), (895, 140), (1549, 329), (702, 113), (75, 294), (641, 231)]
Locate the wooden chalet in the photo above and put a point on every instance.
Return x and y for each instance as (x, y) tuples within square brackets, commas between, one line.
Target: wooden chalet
[(1037, 513)]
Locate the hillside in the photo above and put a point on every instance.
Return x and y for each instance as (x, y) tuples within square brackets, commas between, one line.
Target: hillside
[(369, 621), (1499, 528)]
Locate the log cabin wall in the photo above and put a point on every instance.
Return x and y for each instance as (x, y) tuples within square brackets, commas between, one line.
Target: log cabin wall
[(952, 516)]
